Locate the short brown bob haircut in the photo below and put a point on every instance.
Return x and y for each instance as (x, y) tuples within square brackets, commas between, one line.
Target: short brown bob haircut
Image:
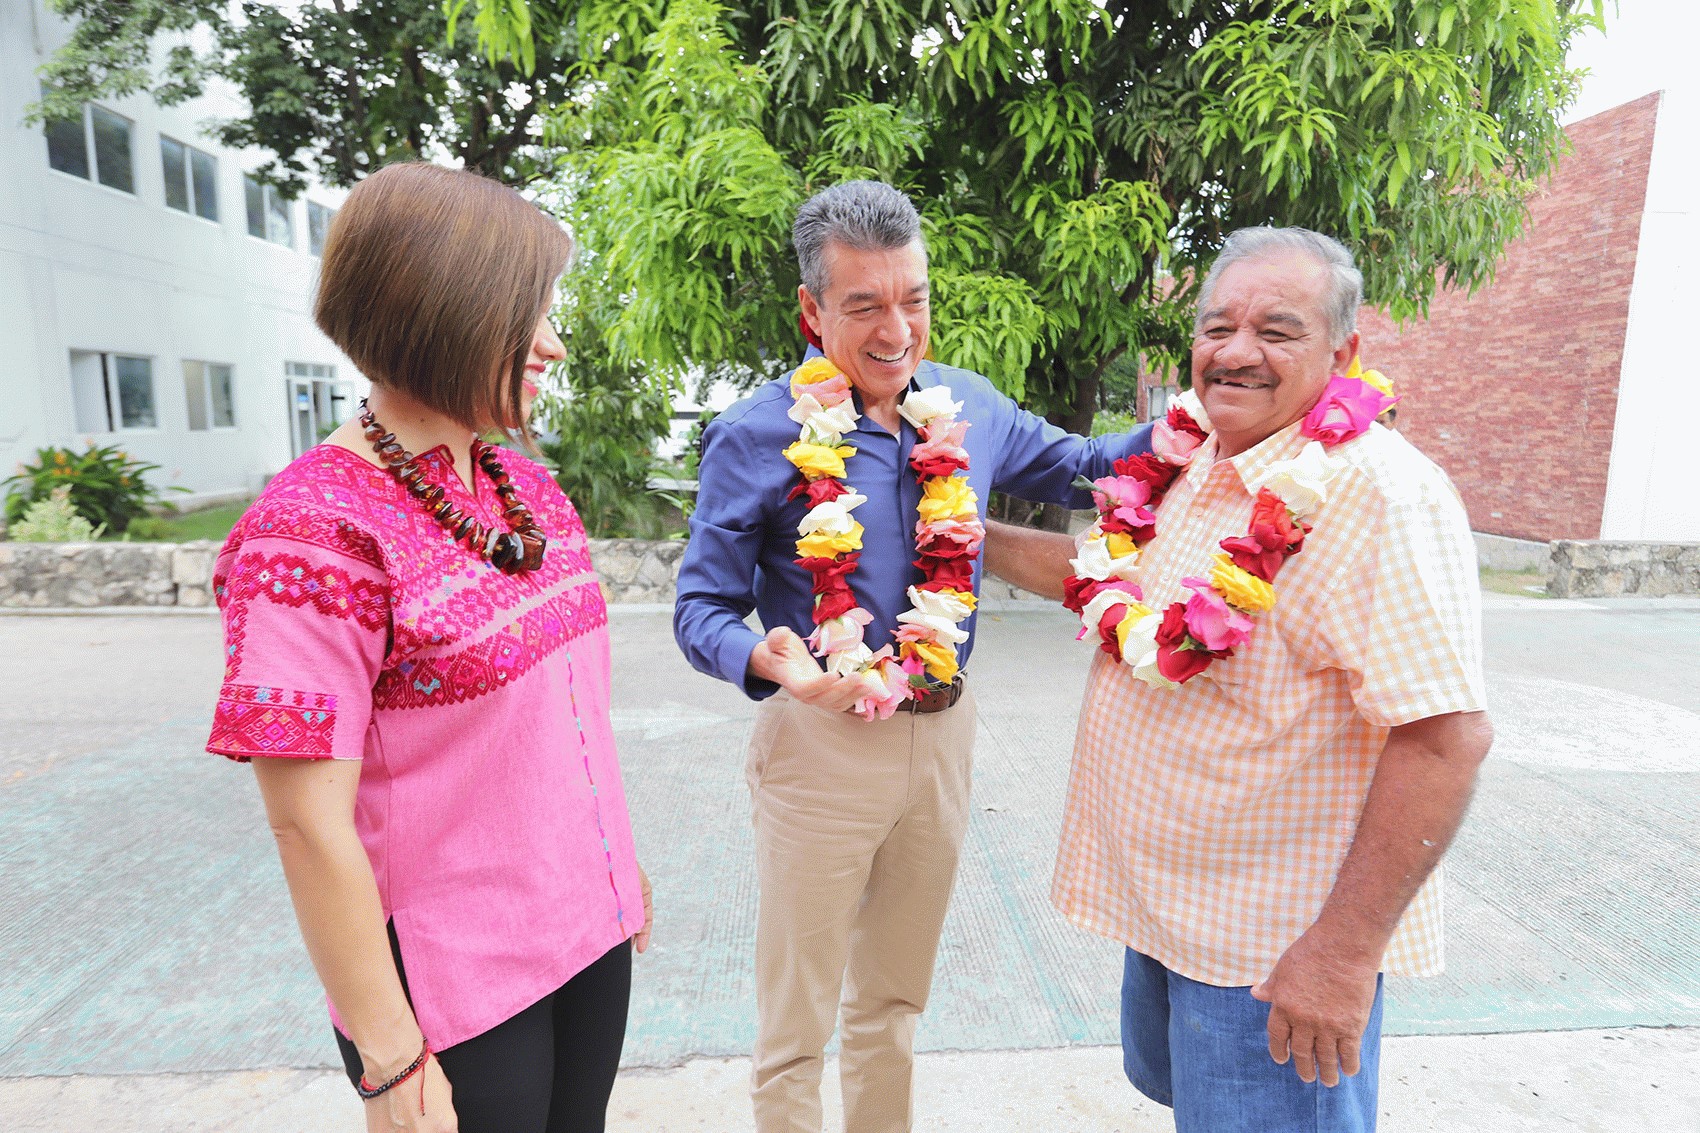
[(432, 282)]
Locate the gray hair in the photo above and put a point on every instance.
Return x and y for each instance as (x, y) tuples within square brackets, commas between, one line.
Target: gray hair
[(868, 215), (1345, 281)]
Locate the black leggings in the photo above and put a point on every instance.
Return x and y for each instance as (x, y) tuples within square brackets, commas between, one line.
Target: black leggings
[(548, 1069)]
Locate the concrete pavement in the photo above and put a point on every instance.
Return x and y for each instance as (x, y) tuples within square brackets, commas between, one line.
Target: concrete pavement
[(155, 981)]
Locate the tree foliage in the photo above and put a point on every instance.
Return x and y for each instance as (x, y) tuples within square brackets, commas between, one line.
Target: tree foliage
[(335, 88), (1075, 160)]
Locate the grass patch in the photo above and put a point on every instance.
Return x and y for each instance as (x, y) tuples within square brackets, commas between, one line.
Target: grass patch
[(212, 523), (1523, 583)]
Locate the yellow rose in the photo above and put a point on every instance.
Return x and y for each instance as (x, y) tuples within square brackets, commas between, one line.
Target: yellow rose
[(810, 372), (1120, 544), (947, 497), (820, 545), (1379, 380), (1134, 611), (962, 596), (1243, 591), (939, 659), (818, 461)]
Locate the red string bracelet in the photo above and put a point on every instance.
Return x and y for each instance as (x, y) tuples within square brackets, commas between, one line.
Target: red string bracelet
[(368, 1091)]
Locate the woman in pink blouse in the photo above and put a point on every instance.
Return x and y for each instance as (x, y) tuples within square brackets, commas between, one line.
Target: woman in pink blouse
[(417, 664)]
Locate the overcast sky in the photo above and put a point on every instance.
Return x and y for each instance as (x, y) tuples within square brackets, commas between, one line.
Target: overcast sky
[(1649, 45)]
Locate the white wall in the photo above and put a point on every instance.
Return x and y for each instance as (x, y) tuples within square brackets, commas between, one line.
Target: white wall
[(87, 267), (1650, 488)]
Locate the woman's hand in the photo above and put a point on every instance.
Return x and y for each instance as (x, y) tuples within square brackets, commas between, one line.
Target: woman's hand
[(398, 1108), (641, 940)]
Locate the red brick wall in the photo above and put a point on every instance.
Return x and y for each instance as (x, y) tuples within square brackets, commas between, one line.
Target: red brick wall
[(1513, 391)]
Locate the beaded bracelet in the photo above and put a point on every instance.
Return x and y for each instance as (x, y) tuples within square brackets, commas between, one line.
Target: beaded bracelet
[(368, 1092)]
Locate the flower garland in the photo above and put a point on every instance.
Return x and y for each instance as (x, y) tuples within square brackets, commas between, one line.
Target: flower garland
[(1168, 649), (948, 536)]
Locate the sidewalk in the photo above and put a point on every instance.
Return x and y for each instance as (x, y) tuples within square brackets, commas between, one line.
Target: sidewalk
[(155, 980)]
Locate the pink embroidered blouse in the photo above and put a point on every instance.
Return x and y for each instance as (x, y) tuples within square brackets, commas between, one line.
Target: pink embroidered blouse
[(490, 800)]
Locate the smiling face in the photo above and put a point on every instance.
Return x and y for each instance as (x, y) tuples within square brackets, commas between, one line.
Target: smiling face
[(874, 318), (1262, 354)]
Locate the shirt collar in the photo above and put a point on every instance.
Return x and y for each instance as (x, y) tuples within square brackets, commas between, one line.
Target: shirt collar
[(1254, 463)]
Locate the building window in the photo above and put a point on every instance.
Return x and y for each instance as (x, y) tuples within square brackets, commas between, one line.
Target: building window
[(191, 178), (210, 389), (112, 391), (98, 131), (318, 403), (268, 212), (318, 223)]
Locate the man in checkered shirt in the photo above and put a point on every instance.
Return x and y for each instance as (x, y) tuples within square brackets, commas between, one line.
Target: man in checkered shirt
[(1266, 838)]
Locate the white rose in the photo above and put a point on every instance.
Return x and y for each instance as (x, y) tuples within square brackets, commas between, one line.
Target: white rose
[(1190, 402), (850, 661), (1095, 562), (1139, 652), (936, 604), (1093, 612), (1302, 483), (833, 516), (827, 426), (923, 405), (940, 629)]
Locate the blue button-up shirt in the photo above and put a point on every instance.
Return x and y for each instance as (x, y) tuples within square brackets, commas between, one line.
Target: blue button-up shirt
[(744, 531)]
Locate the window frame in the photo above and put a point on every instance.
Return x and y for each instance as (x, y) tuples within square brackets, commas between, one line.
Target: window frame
[(112, 399), (269, 195), (316, 245), (91, 174), (191, 190), (208, 401)]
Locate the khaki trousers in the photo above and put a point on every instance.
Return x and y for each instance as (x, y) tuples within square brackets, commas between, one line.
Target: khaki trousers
[(858, 826)]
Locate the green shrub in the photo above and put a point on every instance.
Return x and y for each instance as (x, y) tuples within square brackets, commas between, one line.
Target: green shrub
[(1105, 422), (106, 485), (53, 519)]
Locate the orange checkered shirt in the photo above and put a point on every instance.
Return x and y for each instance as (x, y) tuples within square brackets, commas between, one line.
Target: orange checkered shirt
[(1205, 825)]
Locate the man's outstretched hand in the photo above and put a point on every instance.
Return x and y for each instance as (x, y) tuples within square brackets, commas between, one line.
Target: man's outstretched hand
[(784, 658)]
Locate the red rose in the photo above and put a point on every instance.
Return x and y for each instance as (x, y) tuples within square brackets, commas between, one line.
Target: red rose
[(954, 574), (946, 549), (829, 574), (1181, 665), (1251, 556), (1078, 591), (1107, 624), (821, 491), (939, 465), (1173, 629), (1181, 421), (834, 604), (1150, 468), (1272, 526)]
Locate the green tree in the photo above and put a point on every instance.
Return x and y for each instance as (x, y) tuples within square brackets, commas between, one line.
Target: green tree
[(334, 88), (1075, 160)]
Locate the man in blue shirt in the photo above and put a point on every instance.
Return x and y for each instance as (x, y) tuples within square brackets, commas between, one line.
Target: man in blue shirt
[(858, 822)]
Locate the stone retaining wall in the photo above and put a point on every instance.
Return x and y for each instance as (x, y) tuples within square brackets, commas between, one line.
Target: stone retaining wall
[(44, 575), (1610, 570), (83, 575)]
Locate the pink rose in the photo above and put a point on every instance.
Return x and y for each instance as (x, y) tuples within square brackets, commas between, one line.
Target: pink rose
[(1176, 446), (930, 538), (1211, 621), (1123, 498), (833, 391), (1347, 408), (838, 634), (888, 687)]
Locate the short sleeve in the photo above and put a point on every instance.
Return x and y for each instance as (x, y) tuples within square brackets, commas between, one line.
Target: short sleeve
[(305, 602), (1405, 620)]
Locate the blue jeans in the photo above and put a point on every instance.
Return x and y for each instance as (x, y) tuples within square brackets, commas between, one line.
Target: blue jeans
[(1204, 1051)]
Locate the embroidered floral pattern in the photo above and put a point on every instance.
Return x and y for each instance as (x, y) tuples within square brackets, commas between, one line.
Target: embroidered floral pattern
[(273, 721)]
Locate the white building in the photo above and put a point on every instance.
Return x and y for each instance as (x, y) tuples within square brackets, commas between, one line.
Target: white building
[(152, 295)]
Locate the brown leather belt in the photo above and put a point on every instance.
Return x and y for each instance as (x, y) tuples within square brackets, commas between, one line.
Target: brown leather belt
[(934, 699)]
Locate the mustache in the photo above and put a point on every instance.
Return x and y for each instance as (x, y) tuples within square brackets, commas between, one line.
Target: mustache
[(1217, 372)]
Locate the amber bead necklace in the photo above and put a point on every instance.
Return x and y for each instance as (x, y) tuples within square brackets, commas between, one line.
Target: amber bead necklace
[(520, 549)]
